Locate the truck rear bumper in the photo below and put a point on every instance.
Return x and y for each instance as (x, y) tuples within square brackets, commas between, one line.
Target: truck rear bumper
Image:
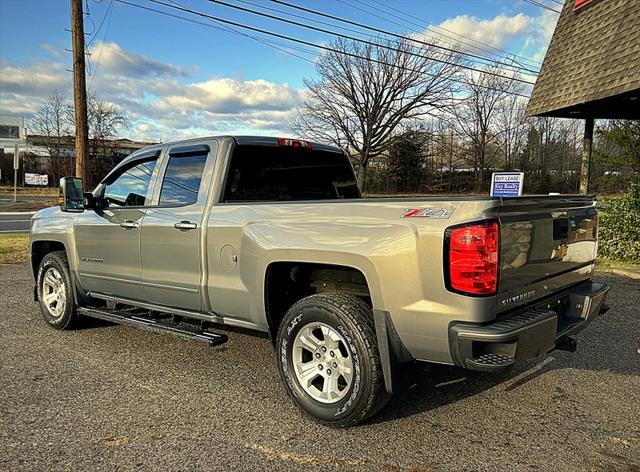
[(527, 333)]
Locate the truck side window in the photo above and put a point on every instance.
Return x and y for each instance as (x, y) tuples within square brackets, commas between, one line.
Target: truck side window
[(130, 187), (182, 179), (269, 173)]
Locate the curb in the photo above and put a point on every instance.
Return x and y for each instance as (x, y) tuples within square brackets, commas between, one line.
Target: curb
[(13, 213)]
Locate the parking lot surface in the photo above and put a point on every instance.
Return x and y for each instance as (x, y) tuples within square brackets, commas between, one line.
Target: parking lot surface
[(108, 397)]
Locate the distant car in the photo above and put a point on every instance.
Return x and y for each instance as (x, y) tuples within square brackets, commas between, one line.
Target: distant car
[(273, 235)]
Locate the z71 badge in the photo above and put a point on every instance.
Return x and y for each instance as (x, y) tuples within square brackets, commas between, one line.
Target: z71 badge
[(435, 213)]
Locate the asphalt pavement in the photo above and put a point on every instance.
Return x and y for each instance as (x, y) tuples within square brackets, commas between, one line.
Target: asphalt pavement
[(15, 222), (108, 397)]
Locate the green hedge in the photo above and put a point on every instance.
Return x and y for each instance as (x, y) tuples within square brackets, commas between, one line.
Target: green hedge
[(620, 227)]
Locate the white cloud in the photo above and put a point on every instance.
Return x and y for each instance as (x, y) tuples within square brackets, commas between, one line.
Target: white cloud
[(496, 32), (223, 95), (521, 34), (114, 60), (541, 30), (158, 98)]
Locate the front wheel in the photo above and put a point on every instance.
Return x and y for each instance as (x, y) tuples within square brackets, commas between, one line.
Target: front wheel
[(329, 361), (55, 291)]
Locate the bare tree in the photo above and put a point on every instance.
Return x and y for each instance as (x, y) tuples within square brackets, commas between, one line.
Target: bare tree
[(511, 124), (51, 121), (476, 115), (105, 120), (365, 91)]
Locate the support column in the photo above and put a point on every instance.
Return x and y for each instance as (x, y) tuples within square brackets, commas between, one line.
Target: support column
[(587, 153)]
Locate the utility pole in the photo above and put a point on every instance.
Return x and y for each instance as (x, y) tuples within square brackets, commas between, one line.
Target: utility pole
[(79, 87)]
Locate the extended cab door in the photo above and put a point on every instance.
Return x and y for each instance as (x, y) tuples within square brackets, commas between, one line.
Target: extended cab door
[(172, 230), (108, 239)]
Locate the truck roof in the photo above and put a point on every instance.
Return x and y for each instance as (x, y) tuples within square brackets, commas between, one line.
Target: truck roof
[(242, 140)]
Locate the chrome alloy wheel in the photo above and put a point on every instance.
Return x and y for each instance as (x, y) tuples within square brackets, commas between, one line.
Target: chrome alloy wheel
[(54, 292), (322, 362)]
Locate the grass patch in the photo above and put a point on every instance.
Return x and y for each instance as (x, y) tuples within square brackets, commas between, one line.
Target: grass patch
[(611, 264), (14, 248)]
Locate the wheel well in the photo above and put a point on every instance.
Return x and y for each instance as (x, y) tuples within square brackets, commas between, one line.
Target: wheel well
[(288, 282), (39, 249)]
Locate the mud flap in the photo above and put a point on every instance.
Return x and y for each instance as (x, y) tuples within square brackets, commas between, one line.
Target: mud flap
[(392, 352)]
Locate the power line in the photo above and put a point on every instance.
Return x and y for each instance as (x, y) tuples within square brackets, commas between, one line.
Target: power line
[(389, 11), (225, 28), (491, 49), (303, 25), (277, 45), (97, 30), (301, 17), (542, 5), (326, 48), (289, 38), (389, 33), (364, 41), (109, 13)]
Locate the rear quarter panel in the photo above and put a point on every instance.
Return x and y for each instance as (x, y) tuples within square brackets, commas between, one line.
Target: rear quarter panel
[(401, 259)]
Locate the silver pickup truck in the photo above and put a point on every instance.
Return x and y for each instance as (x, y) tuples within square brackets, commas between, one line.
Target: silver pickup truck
[(272, 235)]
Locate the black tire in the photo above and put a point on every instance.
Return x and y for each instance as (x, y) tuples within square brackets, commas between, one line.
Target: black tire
[(68, 317), (352, 318)]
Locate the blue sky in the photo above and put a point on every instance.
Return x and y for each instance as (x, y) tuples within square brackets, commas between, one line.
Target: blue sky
[(176, 79)]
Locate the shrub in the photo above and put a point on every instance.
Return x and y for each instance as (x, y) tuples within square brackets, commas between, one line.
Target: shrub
[(620, 227)]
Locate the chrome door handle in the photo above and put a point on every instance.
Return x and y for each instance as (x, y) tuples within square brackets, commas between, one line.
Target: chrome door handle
[(185, 226), (129, 225)]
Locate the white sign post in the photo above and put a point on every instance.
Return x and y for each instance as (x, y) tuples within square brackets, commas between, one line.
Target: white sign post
[(12, 132), (16, 166), (507, 184)]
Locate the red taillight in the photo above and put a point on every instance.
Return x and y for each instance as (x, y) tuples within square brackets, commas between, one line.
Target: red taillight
[(295, 143), (473, 258)]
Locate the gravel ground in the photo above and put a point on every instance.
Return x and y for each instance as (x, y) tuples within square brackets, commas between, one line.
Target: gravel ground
[(108, 397)]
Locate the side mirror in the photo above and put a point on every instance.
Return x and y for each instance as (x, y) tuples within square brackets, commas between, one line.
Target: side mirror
[(71, 195)]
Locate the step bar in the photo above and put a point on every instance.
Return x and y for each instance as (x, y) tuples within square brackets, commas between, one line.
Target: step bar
[(160, 326)]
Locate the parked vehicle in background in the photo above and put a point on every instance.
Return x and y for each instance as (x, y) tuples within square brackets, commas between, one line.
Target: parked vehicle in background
[(273, 235)]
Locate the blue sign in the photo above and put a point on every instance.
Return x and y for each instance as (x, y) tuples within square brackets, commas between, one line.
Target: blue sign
[(507, 184)]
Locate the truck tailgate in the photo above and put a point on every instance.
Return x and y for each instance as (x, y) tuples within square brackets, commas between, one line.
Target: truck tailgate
[(546, 244)]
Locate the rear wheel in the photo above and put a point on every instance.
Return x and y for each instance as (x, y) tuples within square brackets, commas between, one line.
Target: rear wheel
[(55, 291), (329, 361)]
